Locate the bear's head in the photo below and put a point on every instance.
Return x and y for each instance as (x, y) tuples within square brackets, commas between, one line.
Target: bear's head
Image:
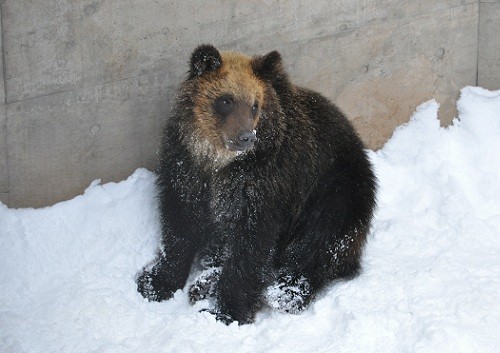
[(228, 94)]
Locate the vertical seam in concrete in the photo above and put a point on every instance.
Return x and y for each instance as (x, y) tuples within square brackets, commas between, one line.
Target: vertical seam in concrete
[(6, 152), (3, 52), (478, 38)]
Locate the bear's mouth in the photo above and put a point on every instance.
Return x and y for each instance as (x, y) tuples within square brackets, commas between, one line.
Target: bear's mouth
[(234, 146)]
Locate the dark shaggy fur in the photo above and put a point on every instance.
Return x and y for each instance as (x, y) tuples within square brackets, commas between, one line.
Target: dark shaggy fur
[(292, 209)]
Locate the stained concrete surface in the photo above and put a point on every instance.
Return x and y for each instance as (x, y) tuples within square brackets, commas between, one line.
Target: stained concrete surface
[(489, 44)]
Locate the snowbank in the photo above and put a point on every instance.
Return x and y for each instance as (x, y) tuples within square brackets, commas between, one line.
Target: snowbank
[(431, 278)]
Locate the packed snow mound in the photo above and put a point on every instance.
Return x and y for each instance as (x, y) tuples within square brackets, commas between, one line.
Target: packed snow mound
[(430, 280)]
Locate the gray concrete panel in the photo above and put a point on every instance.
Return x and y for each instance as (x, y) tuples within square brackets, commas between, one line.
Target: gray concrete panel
[(489, 44), (40, 48), (379, 74), (58, 144), (53, 46)]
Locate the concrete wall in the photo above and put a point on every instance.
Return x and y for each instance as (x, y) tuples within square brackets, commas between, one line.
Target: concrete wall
[(489, 44), (4, 175), (87, 84)]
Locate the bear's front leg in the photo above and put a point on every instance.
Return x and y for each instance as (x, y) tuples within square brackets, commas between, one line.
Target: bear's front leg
[(250, 230), (170, 272), (245, 275), (239, 291)]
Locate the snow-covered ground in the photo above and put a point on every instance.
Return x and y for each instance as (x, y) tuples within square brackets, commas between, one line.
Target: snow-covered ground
[(430, 280)]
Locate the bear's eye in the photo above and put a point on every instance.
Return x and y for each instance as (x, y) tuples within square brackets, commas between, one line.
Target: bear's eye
[(224, 105), (255, 109)]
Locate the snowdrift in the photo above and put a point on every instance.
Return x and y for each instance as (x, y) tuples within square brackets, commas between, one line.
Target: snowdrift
[(430, 280)]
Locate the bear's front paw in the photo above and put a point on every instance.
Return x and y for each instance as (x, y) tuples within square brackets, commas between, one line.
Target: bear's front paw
[(290, 294), (152, 286), (204, 285)]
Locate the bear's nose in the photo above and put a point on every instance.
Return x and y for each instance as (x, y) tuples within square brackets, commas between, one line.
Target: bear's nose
[(247, 136), (246, 139)]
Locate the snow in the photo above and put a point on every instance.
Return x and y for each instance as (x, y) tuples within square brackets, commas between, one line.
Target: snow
[(430, 280)]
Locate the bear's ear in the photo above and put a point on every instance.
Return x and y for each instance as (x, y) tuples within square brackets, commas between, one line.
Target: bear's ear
[(268, 66), (204, 59)]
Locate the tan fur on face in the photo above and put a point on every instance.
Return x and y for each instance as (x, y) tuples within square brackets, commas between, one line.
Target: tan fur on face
[(235, 78)]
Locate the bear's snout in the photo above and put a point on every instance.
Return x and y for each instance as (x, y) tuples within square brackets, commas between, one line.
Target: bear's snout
[(245, 140), (241, 140)]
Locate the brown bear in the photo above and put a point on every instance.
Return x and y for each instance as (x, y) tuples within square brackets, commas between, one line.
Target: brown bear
[(264, 183)]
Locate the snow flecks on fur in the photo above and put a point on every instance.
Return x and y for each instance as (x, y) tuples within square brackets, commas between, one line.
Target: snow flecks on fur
[(146, 282), (210, 155), (204, 285), (288, 295)]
